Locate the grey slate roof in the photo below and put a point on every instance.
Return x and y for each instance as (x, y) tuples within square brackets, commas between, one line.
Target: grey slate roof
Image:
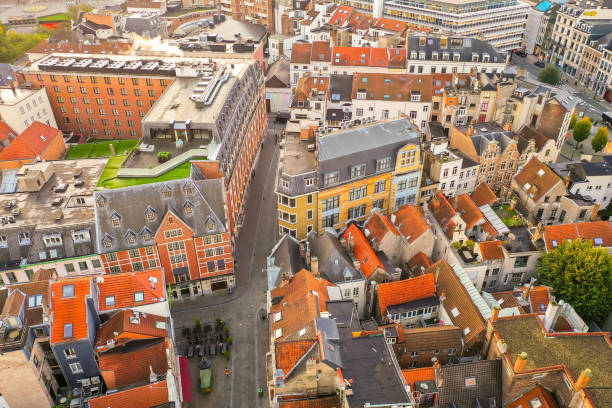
[(364, 145), (286, 256), (467, 48), (334, 263), (331, 341), (132, 203), (465, 383), (278, 73), (488, 132), (341, 85)]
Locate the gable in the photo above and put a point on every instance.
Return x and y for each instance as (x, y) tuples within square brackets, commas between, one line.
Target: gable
[(172, 228)]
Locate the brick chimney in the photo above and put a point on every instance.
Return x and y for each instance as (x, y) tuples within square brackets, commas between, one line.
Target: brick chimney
[(594, 216), (470, 131), (495, 314), (314, 266), (583, 380), (567, 180), (521, 362), (508, 126)]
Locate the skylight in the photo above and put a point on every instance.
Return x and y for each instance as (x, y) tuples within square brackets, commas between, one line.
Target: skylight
[(540, 172), (598, 241), (526, 186), (455, 312)]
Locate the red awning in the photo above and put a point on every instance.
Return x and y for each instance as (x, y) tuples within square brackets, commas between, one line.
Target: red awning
[(185, 379)]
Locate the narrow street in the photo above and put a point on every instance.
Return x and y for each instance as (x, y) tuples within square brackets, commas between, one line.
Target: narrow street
[(241, 309)]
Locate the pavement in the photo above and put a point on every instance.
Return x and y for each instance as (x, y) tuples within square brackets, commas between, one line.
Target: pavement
[(242, 309)]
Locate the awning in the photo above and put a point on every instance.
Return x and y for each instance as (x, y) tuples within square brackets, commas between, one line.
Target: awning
[(185, 379)]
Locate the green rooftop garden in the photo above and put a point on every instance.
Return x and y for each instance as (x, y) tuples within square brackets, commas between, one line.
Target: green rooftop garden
[(100, 149), (109, 178), (54, 18), (509, 216)]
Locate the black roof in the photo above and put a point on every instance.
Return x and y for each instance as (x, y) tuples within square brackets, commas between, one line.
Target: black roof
[(464, 385)]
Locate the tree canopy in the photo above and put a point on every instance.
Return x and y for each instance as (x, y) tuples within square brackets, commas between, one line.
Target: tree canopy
[(582, 130), (581, 275), (74, 10), (13, 44), (600, 140), (550, 75), (573, 121)]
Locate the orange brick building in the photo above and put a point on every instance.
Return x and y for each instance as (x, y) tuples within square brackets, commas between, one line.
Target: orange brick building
[(103, 98), (180, 225), (38, 140)]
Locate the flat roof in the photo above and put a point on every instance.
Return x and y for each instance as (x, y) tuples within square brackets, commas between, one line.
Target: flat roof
[(298, 159), (175, 103), (36, 208), (9, 96)]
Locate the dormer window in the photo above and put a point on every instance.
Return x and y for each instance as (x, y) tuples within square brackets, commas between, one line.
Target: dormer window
[(422, 55), (445, 56), (130, 237), (485, 58), (413, 55), (81, 236), (107, 241), (474, 57), (145, 233), (188, 207), (115, 219), (456, 56), (188, 189), (434, 56), (166, 191), (100, 201), (210, 225), (150, 214)]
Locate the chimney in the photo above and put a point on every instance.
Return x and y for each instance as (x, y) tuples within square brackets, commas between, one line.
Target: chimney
[(567, 180), (470, 131), (351, 244), (508, 126), (594, 216), (495, 314), (521, 362), (152, 375), (393, 219), (583, 380), (314, 266)]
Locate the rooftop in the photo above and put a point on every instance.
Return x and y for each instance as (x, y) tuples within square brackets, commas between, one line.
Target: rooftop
[(297, 157), (30, 143), (126, 325), (598, 232), (35, 207), (145, 396), (575, 351), (131, 289), (410, 221), (69, 309), (465, 47), (404, 291), (467, 382), (483, 195)]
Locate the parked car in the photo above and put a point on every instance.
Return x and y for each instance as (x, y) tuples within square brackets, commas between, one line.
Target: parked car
[(521, 53), (539, 64)]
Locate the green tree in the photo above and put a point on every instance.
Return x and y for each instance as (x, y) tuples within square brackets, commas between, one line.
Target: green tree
[(600, 140), (74, 11), (581, 275), (582, 130), (550, 75), (573, 121), (13, 45)]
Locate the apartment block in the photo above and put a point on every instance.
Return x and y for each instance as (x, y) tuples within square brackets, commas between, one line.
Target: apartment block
[(102, 97), (180, 225), (20, 107)]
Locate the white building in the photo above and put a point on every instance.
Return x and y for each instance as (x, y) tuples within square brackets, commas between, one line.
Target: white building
[(589, 179), (21, 107), (500, 22), (536, 25), (441, 55)]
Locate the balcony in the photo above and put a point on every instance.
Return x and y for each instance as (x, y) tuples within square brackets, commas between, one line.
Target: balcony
[(12, 339)]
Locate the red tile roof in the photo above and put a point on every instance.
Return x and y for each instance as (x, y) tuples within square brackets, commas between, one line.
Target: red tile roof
[(389, 24), (404, 291), (147, 396), (419, 260), (470, 213), (323, 402), (5, 133), (353, 56), (70, 309), (483, 195), (379, 226), (100, 19), (33, 315), (583, 230), (289, 353), (13, 304), (31, 142), (491, 250), (300, 53), (363, 251), (419, 374), (298, 306), (443, 212), (536, 178), (393, 87), (124, 286), (411, 222), (122, 368), (321, 51), (546, 398), (44, 274), (122, 327), (341, 15), (539, 298)]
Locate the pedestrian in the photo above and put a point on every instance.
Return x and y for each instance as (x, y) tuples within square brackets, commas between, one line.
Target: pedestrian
[(227, 371)]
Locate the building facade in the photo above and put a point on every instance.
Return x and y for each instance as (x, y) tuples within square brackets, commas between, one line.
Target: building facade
[(20, 107)]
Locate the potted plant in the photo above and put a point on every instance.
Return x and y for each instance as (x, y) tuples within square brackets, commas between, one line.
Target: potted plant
[(457, 245)]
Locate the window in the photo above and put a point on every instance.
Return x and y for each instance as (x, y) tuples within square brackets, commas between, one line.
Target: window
[(111, 257), (211, 266), (278, 316), (331, 178), (309, 215), (68, 291), (278, 333), (68, 330), (355, 292), (329, 221), (96, 263), (356, 212), (358, 193), (358, 170), (378, 204), (83, 266), (470, 381), (138, 296), (70, 353), (521, 261), (76, 368), (455, 312), (383, 164), (110, 300), (35, 300), (221, 264), (408, 158), (219, 251), (380, 186)]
